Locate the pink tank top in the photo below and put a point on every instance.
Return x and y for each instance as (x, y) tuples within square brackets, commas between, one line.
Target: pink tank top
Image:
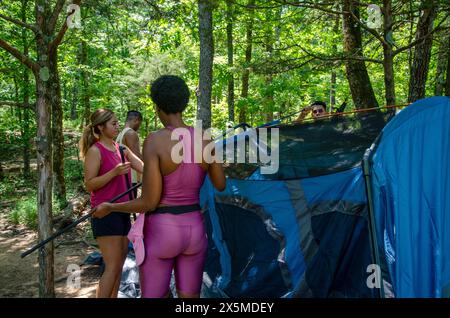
[(182, 186), (117, 185)]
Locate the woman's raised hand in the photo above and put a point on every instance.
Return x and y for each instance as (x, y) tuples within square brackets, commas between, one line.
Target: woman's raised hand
[(122, 168)]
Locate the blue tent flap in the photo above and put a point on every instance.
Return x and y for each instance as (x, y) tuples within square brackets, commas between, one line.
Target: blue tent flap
[(411, 193)]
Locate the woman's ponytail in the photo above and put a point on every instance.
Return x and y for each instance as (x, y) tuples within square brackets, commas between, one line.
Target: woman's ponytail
[(91, 133), (87, 140)]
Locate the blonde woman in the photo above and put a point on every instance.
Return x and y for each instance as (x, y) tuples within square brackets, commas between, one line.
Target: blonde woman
[(104, 177)]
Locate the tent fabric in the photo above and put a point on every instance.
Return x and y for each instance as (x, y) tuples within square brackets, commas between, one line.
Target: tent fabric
[(290, 238), (411, 195), (312, 149), (301, 231)]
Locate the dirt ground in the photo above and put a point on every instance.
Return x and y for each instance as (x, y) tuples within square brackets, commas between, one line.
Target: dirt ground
[(19, 277)]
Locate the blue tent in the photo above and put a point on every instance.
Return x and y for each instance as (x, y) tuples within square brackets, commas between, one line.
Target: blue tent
[(316, 226), (410, 172)]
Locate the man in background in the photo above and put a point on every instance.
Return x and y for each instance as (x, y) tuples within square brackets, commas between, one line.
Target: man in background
[(130, 138), (317, 110)]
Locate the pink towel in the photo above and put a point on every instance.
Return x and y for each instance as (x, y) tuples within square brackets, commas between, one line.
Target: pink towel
[(136, 237)]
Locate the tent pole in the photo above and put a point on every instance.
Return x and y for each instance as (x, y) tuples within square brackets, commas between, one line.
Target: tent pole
[(372, 230), (75, 223)]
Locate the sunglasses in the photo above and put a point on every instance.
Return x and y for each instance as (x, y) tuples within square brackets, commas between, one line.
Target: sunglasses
[(318, 111)]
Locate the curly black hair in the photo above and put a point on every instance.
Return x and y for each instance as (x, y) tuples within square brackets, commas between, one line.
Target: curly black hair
[(170, 93)]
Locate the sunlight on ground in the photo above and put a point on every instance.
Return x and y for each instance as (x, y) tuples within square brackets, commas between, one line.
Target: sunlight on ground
[(19, 276)]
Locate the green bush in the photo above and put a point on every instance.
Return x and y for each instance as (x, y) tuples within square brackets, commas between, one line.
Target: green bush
[(25, 212)]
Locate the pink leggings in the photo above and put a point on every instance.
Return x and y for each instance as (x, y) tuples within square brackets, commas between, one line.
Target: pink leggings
[(173, 242)]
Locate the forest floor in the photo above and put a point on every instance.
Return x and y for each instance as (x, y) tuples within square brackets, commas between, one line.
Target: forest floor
[(19, 276)]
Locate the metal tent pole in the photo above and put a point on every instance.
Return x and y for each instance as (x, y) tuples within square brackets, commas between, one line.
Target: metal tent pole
[(75, 223), (372, 228)]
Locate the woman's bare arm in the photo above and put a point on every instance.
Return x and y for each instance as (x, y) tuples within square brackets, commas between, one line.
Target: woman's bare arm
[(217, 176), (215, 168), (136, 162)]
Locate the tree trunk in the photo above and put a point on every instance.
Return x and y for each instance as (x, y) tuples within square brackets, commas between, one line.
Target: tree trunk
[(441, 65), (205, 9), (357, 76), (12, 108), (248, 59), (271, 35), (85, 83), (26, 99), (44, 153), (411, 34), (388, 60), (246, 74), (332, 91), (74, 100), (44, 149), (17, 99), (268, 100), (21, 120), (26, 139), (18, 110), (59, 185), (230, 96), (447, 82), (64, 94), (422, 52), (333, 70)]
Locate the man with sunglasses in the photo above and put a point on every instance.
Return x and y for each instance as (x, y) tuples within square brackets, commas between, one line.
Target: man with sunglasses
[(317, 110)]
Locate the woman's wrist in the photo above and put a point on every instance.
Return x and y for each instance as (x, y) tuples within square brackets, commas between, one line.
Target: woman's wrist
[(112, 173), (109, 207)]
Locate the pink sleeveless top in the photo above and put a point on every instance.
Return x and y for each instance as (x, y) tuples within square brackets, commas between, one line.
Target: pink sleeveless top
[(182, 186), (117, 185)]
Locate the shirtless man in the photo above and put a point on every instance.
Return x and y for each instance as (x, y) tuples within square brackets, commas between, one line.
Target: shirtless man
[(318, 110)]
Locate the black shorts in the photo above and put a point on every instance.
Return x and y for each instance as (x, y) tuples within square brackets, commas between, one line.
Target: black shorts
[(115, 223)]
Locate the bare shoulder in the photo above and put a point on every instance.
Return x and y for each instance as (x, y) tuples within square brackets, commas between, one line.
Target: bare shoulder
[(131, 133), (93, 152), (153, 139), (131, 138)]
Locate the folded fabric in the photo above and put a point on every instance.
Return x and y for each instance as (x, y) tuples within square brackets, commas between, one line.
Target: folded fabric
[(136, 237)]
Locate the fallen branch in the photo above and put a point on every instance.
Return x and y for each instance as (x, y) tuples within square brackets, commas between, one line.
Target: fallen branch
[(72, 243)]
